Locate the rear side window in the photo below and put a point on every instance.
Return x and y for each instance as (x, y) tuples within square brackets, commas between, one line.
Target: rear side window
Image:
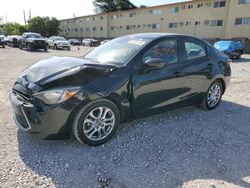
[(166, 50), (194, 50)]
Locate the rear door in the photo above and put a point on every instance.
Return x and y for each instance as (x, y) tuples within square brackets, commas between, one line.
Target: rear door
[(198, 68)]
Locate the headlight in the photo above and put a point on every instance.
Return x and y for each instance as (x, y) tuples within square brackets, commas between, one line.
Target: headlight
[(56, 96)]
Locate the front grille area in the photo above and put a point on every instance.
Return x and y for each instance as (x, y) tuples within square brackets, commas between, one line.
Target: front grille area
[(22, 121), (39, 42)]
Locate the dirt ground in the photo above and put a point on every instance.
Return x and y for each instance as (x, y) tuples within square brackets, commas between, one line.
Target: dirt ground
[(188, 147)]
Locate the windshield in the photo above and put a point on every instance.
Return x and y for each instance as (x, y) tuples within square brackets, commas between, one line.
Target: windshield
[(222, 45), (33, 35), (59, 39), (118, 51)]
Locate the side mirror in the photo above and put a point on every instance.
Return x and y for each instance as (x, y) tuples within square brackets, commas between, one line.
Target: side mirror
[(154, 63)]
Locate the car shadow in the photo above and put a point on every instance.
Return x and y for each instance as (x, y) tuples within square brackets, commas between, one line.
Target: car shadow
[(171, 149)]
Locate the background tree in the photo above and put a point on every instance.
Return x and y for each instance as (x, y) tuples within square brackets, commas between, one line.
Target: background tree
[(104, 6), (13, 29), (142, 6), (44, 25)]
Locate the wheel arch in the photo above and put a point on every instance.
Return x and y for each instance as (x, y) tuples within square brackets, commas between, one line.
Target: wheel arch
[(222, 83), (124, 112)]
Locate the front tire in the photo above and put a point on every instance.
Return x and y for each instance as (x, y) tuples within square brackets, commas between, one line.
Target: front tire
[(213, 96), (96, 122), (46, 49), (20, 46)]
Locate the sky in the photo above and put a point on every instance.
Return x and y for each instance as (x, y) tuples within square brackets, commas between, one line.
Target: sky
[(12, 10)]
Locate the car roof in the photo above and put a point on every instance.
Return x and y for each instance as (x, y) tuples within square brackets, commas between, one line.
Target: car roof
[(154, 35), (26, 33)]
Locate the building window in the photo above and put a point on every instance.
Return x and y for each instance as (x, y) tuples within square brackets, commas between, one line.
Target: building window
[(156, 26), (157, 11), (244, 2), (114, 17), (197, 23), (190, 6), (215, 23), (131, 14), (101, 18), (218, 4), (129, 27), (173, 25), (175, 9), (101, 28), (199, 5), (188, 23), (139, 26), (94, 29), (93, 18), (242, 21)]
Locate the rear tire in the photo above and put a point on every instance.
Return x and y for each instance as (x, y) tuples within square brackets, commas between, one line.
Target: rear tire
[(20, 46), (96, 122), (213, 96)]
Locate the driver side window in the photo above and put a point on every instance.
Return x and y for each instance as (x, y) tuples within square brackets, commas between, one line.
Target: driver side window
[(166, 50)]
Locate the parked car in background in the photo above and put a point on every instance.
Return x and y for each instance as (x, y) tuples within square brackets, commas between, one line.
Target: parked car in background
[(104, 41), (90, 42), (32, 41), (234, 49), (58, 42), (74, 42), (2, 41), (128, 77), (12, 40)]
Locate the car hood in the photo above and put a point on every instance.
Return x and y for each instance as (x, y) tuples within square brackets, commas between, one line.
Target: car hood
[(54, 68), (62, 41), (36, 39)]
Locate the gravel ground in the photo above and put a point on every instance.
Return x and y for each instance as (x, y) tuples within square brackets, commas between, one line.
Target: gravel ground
[(188, 147)]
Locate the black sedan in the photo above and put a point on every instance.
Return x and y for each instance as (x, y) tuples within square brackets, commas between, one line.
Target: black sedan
[(74, 42), (125, 78)]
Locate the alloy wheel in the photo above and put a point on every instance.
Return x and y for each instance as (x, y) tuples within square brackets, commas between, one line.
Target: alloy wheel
[(214, 95), (99, 123)]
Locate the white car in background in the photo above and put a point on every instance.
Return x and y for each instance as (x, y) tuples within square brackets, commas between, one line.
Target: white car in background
[(58, 42), (90, 42)]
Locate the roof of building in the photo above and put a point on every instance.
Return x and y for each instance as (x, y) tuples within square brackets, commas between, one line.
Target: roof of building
[(144, 8)]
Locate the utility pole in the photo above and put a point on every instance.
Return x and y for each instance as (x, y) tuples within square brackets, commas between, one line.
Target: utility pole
[(24, 17), (29, 14)]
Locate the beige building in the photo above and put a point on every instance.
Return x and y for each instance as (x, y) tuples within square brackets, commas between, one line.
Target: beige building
[(208, 19)]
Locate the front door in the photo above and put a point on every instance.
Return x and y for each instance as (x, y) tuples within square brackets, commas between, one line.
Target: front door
[(154, 88)]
